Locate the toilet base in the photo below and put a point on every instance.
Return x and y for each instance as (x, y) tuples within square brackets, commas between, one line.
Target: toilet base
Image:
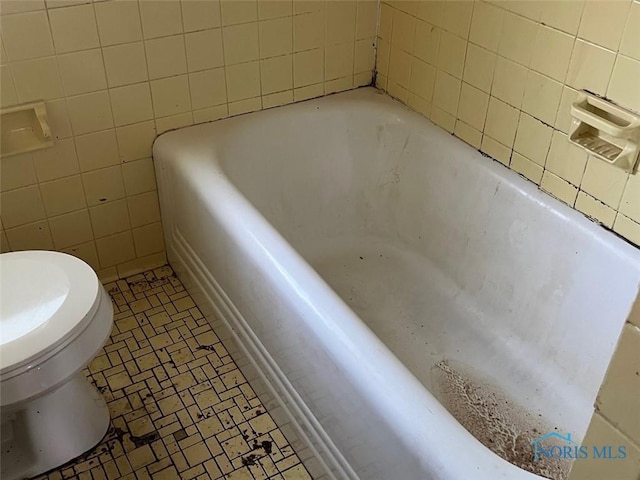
[(52, 429)]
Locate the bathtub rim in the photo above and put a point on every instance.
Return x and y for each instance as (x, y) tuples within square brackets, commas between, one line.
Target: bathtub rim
[(605, 236)]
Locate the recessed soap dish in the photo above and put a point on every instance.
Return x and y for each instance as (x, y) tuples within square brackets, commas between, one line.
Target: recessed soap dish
[(606, 131), (24, 129), (598, 146)]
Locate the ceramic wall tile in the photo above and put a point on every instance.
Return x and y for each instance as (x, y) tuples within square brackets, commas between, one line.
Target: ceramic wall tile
[(526, 167), (82, 72), (97, 150), (74, 28), (603, 22), (125, 64), (63, 195), (22, 206), (204, 49), (623, 86), (118, 22), (37, 79), (521, 66), (601, 432), (562, 15), (166, 56), (17, 171), (595, 209), (630, 44), (56, 162), (590, 67), (110, 218), (33, 236), (200, 15), (71, 229), (208, 88), (160, 18), (26, 35)]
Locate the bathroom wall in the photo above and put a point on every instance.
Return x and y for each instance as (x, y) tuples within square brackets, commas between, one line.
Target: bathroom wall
[(617, 417), (501, 76), (114, 74)]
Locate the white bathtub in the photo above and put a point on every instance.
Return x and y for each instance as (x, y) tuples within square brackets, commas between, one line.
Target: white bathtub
[(350, 246)]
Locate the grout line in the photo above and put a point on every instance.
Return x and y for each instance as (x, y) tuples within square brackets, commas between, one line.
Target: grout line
[(224, 60), (186, 65), (376, 38), (143, 42), (258, 28)]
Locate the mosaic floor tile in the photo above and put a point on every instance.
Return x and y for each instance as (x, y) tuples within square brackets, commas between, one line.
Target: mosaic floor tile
[(180, 407)]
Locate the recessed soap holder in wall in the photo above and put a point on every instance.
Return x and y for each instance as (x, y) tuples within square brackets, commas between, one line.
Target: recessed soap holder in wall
[(606, 131), (24, 129)]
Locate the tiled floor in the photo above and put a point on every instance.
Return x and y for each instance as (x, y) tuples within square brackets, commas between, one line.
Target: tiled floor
[(180, 408)]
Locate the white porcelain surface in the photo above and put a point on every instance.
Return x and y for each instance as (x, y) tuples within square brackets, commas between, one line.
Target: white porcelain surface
[(351, 245), (44, 297), (53, 429), (57, 364), (20, 314), (56, 316)]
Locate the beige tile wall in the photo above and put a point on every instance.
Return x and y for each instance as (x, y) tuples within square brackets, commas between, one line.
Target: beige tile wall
[(114, 74), (501, 76), (617, 417)]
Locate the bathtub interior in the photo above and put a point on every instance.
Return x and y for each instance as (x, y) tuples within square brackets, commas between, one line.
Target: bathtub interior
[(443, 254)]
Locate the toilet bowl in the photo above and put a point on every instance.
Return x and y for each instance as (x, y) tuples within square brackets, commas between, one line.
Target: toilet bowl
[(55, 316)]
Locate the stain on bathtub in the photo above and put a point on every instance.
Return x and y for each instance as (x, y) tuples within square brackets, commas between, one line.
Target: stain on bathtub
[(494, 419)]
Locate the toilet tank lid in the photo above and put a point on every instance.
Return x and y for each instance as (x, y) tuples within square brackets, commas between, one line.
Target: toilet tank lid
[(45, 298)]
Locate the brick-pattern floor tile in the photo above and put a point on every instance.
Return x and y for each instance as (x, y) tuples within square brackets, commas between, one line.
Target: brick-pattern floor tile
[(180, 407)]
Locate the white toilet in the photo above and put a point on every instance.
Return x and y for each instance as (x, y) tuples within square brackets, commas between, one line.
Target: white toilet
[(55, 316)]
